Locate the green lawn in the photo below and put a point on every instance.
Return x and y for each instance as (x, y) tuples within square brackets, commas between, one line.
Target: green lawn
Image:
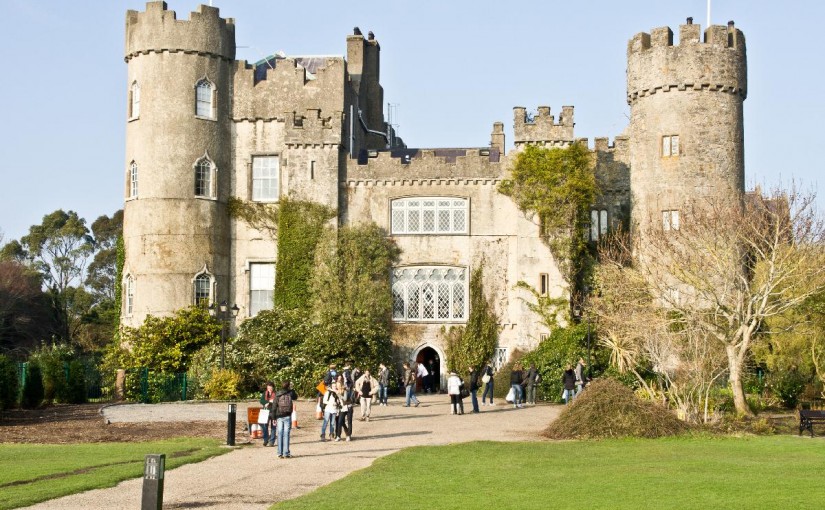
[(30, 473), (755, 472)]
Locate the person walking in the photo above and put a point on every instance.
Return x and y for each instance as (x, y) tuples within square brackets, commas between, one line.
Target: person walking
[(332, 404), (267, 399), (516, 379), (383, 384), (409, 384), (474, 388), (366, 387), (422, 373), (531, 379), (579, 372), (283, 415), (487, 379), (344, 406), (349, 384), (568, 381), (454, 390)]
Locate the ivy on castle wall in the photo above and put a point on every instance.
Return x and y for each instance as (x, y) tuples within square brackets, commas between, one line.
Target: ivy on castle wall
[(474, 344), (120, 261), (559, 186)]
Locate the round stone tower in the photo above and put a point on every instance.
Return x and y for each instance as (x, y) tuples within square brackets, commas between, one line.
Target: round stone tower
[(686, 127), (176, 224)]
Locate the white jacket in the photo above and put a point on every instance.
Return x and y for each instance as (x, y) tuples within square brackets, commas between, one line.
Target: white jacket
[(453, 385), (329, 402)]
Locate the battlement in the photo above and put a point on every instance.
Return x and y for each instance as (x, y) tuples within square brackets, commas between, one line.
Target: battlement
[(542, 127), (718, 36), (427, 164), (717, 63), (158, 30)]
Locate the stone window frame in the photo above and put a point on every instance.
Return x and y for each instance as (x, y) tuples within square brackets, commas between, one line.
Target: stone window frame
[(671, 220), (422, 278), (203, 277), (129, 294), (278, 177), (134, 101), (198, 172), (132, 181), (249, 266), (544, 284), (670, 146), (213, 96), (403, 205), (599, 224)]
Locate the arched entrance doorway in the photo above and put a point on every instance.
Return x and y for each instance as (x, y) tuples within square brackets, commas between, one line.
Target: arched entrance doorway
[(430, 358)]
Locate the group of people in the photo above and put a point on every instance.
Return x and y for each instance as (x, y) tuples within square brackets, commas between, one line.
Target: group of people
[(342, 391)]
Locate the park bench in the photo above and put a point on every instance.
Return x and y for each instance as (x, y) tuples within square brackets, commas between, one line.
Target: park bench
[(807, 418)]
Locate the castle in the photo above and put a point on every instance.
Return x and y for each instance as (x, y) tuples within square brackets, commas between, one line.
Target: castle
[(203, 127)]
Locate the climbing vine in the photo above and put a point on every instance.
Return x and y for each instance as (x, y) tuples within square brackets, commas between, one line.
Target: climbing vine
[(474, 344), (558, 186)]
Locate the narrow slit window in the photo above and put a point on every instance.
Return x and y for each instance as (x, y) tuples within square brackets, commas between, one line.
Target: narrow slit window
[(544, 284)]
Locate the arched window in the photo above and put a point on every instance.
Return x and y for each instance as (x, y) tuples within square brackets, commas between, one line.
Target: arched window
[(202, 287), (133, 180), (130, 294), (204, 95), (432, 294), (429, 215), (203, 178), (134, 100)]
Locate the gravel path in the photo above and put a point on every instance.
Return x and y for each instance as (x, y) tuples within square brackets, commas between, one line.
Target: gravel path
[(246, 477)]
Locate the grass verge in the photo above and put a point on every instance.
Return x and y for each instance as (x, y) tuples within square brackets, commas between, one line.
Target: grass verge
[(682, 472), (31, 473)]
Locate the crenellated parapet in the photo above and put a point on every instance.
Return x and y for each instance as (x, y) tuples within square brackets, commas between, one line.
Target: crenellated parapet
[(157, 30), (451, 165), (542, 128), (714, 61), (613, 165), (288, 87)]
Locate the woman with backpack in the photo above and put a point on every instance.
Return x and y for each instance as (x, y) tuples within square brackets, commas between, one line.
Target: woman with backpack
[(283, 416)]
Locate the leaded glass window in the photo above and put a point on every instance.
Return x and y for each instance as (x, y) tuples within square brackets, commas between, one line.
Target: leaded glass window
[(130, 294), (133, 180), (429, 215), (202, 287), (203, 99), (203, 178), (429, 294)]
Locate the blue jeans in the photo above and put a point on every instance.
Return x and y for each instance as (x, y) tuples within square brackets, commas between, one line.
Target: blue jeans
[(329, 418), (382, 394), (269, 432), (474, 399), (517, 394), (568, 395), (411, 394), (284, 426), (488, 387)]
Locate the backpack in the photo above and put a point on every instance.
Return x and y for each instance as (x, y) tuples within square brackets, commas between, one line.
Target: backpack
[(283, 404), (347, 379)]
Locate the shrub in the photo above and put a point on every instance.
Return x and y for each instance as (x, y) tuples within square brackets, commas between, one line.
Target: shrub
[(76, 383), (33, 389), (475, 343), (223, 385), (787, 386), (53, 360), (562, 346), (9, 383), (501, 379), (607, 408)]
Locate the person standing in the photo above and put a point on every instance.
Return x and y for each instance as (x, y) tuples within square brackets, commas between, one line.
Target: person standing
[(383, 384), (579, 372), (366, 387), (344, 406), (474, 388), (487, 374), (349, 396), (531, 379), (516, 379), (431, 383), (267, 399), (568, 381), (331, 403), (409, 384), (283, 415), (423, 374), (454, 390)]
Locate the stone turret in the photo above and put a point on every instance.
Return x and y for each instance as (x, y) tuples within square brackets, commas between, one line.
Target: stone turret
[(178, 146), (542, 128), (686, 124)]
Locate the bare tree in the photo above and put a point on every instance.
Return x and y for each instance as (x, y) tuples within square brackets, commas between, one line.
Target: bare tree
[(730, 266)]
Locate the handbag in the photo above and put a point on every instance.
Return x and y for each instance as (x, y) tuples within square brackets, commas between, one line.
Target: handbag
[(319, 413), (263, 417), (485, 378), (511, 395)]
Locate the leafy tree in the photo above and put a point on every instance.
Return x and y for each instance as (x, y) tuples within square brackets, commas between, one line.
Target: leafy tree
[(33, 393), (474, 344), (558, 186), (8, 383), (102, 270)]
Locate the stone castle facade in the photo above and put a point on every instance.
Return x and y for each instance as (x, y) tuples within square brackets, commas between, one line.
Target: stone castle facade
[(203, 127)]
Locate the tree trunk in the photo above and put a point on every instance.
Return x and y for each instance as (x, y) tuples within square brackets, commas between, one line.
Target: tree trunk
[(735, 377)]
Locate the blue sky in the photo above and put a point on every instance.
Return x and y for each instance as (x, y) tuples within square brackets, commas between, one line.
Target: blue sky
[(452, 67)]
